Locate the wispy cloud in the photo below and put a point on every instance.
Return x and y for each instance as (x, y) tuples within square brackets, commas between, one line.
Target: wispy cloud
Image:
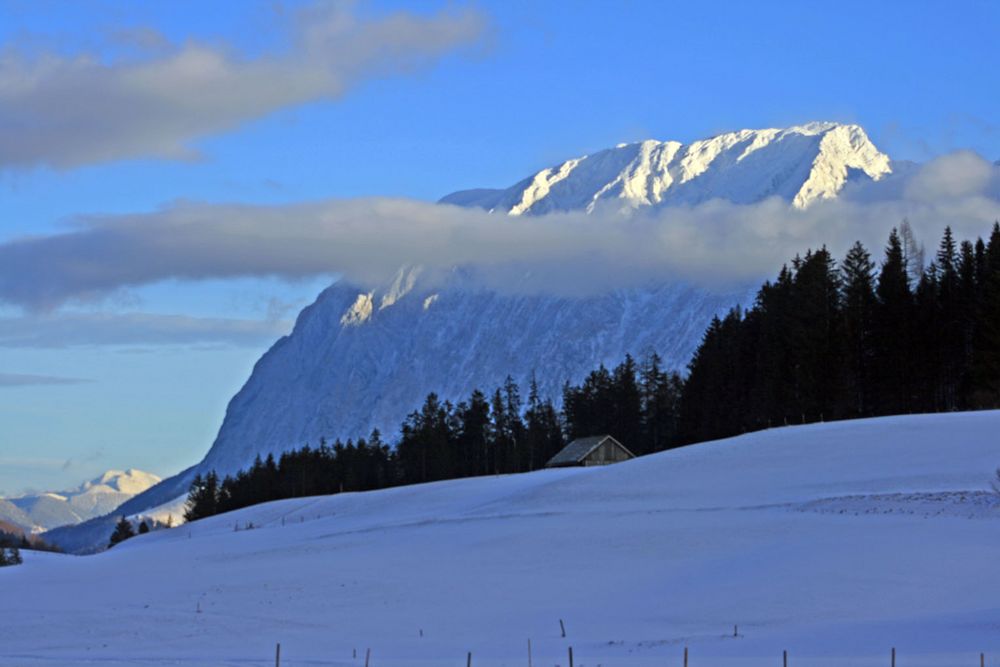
[(21, 380), (366, 240), (62, 330), (68, 111)]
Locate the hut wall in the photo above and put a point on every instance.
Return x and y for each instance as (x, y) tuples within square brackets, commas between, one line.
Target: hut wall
[(605, 454)]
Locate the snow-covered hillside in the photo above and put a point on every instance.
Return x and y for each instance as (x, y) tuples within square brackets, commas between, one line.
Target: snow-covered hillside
[(836, 542), (801, 164), (91, 499)]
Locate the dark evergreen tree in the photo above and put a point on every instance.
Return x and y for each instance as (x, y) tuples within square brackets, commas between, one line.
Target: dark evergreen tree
[(858, 297), (474, 436), (542, 432), (123, 531), (985, 374), (204, 496), (892, 331), (661, 394)]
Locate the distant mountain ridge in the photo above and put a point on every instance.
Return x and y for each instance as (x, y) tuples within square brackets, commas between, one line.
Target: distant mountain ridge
[(91, 499), (362, 358)]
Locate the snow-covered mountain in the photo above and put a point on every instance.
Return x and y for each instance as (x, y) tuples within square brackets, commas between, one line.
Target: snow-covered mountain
[(91, 499), (359, 360), (362, 358), (801, 164)]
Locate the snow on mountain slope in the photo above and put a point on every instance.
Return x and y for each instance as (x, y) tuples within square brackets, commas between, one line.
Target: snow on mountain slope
[(11, 513), (92, 499), (639, 559), (359, 361), (801, 164)]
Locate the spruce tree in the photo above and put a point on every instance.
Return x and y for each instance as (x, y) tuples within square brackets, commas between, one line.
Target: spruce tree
[(123, 531), (985, 372), (858, 294), (892, 332), (626, 416)]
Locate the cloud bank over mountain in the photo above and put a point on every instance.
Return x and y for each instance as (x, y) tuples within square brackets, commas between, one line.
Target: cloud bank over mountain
[(65, 111), (713, 243), (75, 329)]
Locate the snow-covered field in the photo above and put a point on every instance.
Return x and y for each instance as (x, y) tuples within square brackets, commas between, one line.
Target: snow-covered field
[(835, 541)]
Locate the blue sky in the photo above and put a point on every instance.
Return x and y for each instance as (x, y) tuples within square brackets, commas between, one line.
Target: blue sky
[(511, 87)]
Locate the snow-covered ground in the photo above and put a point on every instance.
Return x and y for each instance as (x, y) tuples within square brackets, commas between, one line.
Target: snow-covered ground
[(834, 541)]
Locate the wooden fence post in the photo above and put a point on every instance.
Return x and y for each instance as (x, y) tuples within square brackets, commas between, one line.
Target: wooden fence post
[(784, 658), (570, 656), (982, 660), (368, 655), (893, 656), (277, 655), (562, 627), (529, 653), (685, 656), (468, 660)]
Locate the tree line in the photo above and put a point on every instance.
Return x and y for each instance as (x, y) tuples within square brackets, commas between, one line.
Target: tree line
[(481, 435), (823, 341), (827, 341), (13, 541), (125, 530)]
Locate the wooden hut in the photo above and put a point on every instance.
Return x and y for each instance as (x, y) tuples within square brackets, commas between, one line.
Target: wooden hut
[(596, 450)]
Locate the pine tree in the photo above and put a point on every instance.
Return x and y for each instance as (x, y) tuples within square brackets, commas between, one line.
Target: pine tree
[(123, 531), (892, 332), (514, 455), (626, 417), (950, 324), (858, 294), (985, 372), (143, 528), (474, 434), (204, 497)]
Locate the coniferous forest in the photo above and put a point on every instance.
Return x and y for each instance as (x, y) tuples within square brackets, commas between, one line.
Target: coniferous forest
[(824, 341)]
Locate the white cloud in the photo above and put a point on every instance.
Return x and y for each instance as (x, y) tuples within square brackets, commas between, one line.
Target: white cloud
[(62, 330), (22, 380), (366, 240), (68, 111)]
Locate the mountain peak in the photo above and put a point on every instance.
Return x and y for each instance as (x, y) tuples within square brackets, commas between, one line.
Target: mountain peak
[(131, 482), (801, 164)]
